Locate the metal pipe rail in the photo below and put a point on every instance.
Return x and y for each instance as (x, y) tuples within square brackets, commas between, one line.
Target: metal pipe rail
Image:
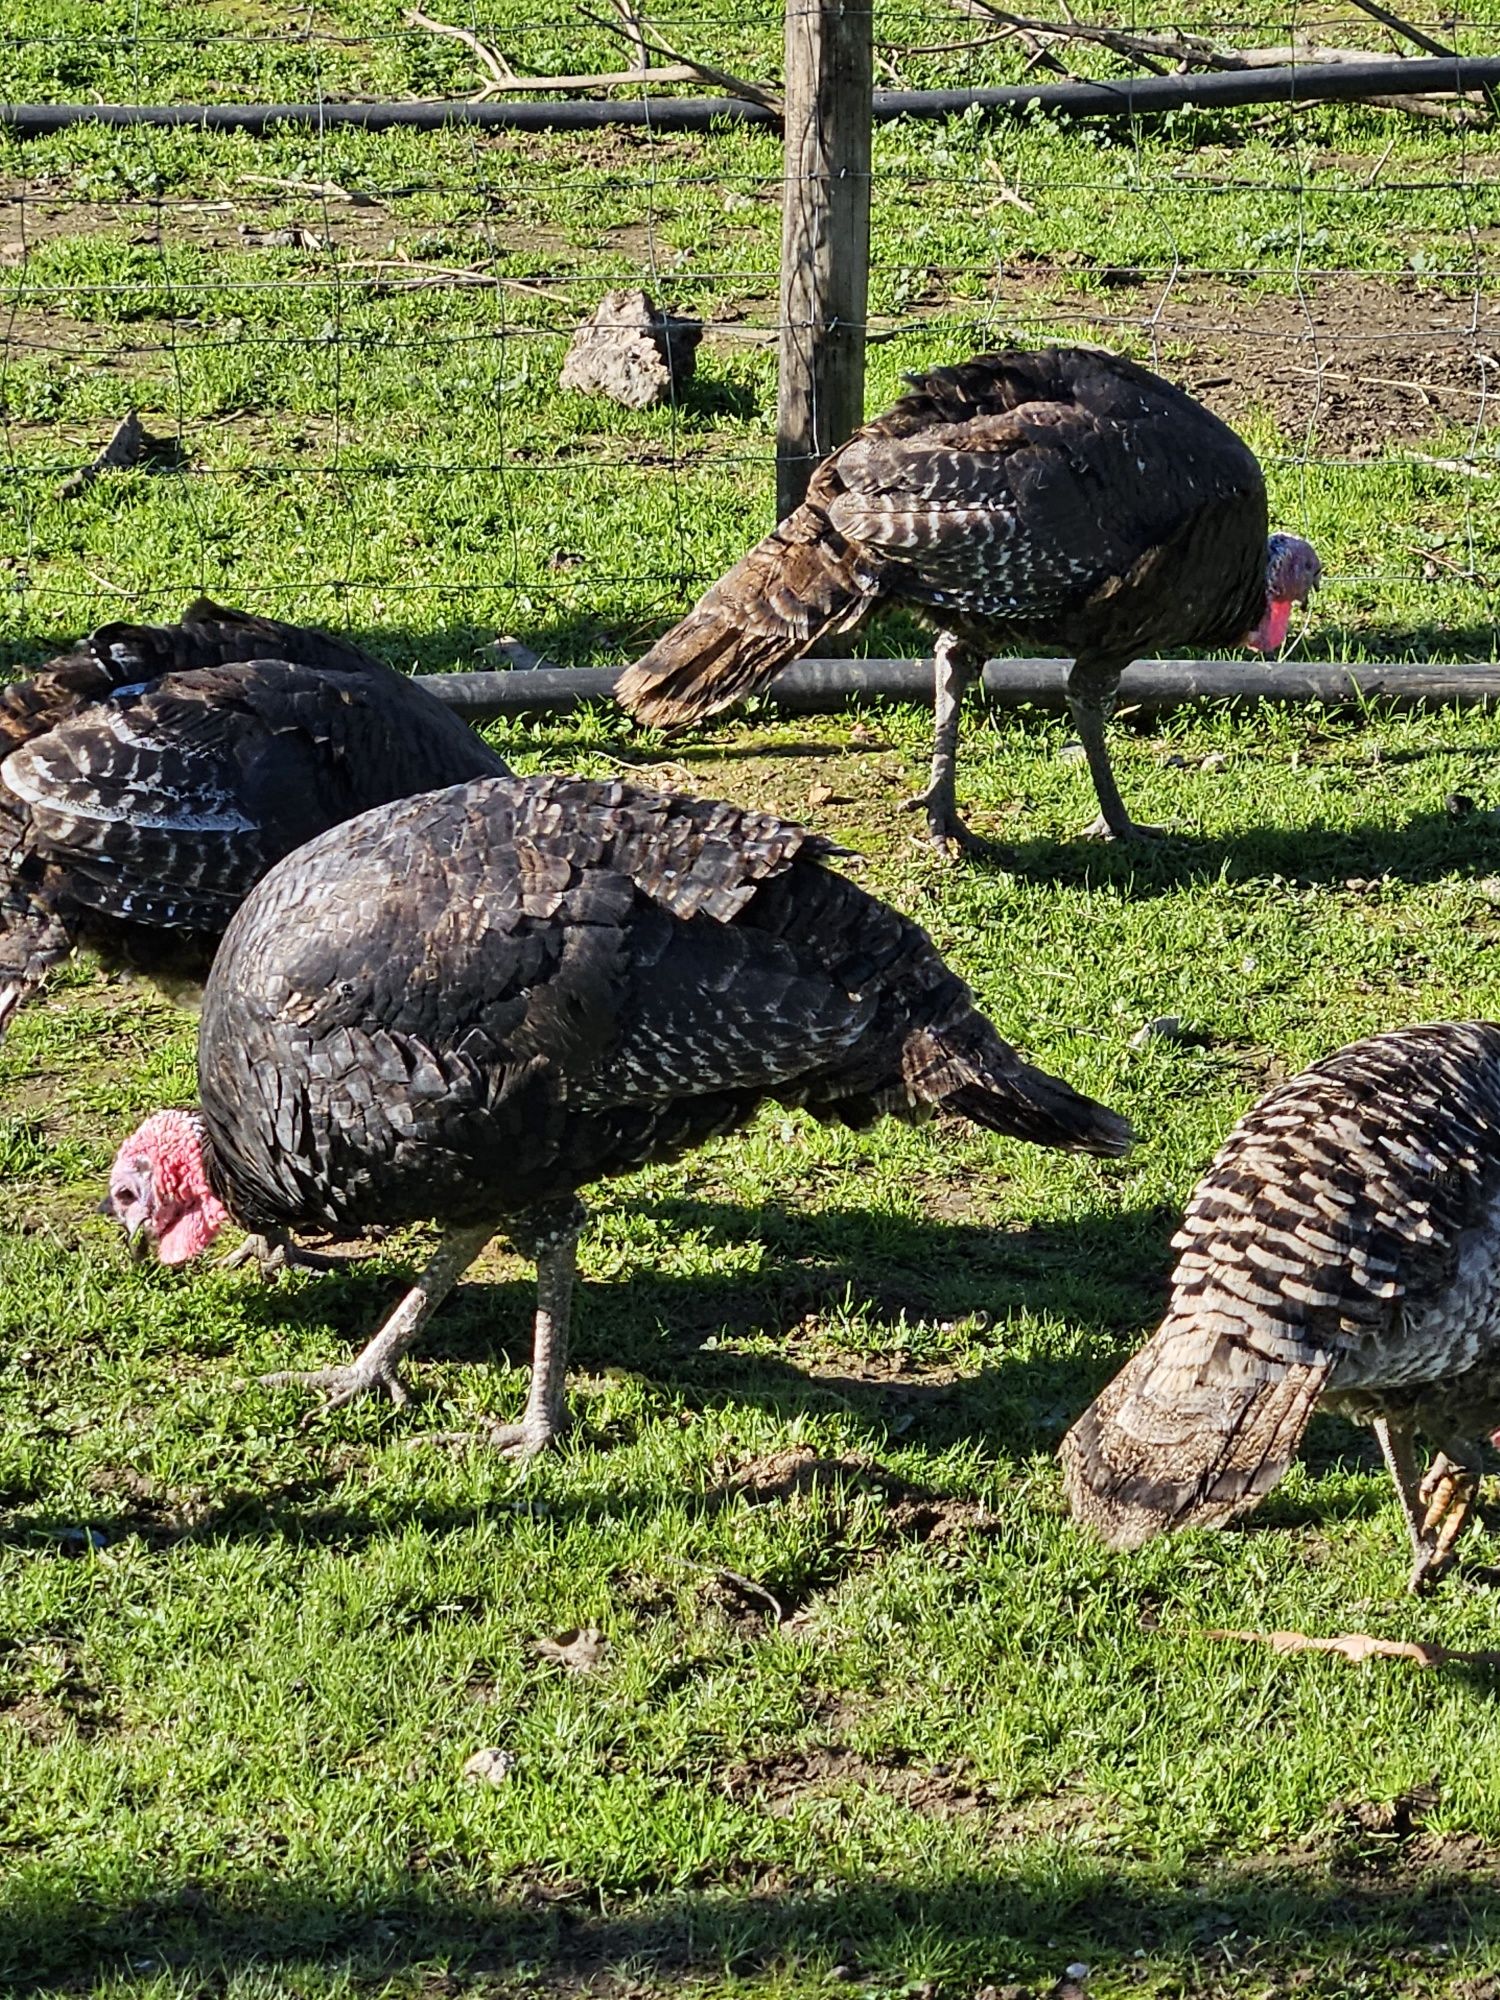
[(1125, 97), (1155, 687)]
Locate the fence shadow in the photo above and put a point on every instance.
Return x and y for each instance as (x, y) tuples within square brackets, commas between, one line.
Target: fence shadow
[(1360, 1900)]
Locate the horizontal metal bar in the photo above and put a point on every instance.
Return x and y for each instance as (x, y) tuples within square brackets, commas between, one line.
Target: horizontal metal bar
[(1127, 97), (816, 687)]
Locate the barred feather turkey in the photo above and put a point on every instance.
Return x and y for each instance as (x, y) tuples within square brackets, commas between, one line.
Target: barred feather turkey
[(1342, 1252), (1062, 497), (472, 1004), (149, 780)]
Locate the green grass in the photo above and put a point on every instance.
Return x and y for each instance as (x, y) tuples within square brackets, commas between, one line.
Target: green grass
[(242, 1661), (247, 1661)]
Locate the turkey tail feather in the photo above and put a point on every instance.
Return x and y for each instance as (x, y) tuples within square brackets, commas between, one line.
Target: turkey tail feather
[(968, 1069), (797, 586), (1194, 1430)]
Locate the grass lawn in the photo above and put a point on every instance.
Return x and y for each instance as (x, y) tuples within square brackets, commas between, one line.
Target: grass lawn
[(873, 1716)]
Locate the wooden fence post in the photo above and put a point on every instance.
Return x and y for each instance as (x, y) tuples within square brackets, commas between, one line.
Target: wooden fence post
[(825, 235)]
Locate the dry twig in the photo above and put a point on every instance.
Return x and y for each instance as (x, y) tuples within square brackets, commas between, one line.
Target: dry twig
[(500, 70), (1359, 1646), (656, 43)]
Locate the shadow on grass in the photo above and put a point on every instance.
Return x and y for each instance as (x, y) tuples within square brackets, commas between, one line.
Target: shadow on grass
[(1386, 1905), (1427, 847), (891, 1281)]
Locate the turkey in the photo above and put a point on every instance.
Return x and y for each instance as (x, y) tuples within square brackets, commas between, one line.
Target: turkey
[(149, 780), (471, 1005), (1063, 498), (1343, 1251)]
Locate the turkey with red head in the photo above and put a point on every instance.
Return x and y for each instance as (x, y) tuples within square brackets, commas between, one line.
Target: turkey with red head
[(149, 779), (468, 1006), (1062, 498)]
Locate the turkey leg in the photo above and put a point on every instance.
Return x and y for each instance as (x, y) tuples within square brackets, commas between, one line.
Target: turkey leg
[(1091, 694), (374, 1367), (552, 1239), (955, 667)]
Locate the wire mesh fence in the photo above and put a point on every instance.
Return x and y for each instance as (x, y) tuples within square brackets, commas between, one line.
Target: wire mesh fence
[(344, 346)]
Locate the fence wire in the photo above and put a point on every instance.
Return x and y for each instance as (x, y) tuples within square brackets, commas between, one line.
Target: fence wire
[(344, 346)]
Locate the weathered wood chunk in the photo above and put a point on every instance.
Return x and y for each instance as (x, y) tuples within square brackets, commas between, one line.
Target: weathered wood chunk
[(631, 352)]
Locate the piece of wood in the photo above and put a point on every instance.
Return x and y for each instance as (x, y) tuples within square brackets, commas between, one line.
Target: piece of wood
[(1155, 687), (825, 236), (124, 448), (628, 350)]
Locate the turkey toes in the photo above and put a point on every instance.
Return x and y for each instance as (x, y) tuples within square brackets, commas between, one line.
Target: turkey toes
[(274, 1255), (945, 830), (343, 1385), (522, 1440), (1099, 828)]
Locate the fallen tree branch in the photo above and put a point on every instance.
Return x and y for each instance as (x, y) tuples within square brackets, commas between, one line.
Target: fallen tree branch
[(1190, 52), (500, 70), (652, 40)]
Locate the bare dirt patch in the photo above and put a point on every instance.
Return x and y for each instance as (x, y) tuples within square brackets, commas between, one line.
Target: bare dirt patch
[(1350, 364), (778, 1783), (912, 1513)]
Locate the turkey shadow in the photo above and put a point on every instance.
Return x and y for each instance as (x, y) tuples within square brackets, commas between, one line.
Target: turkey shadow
[(1375, 1893), (665, 1328), (1105, 1272), (1424, 849)]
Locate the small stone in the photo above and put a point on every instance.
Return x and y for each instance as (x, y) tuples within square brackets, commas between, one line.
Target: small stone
[(1077, 1970), (490, 1767), (1072, 753), (629, 351), (1489, 888), (819, 795), (515, 655), (1214, 761), (1165, 1028), (581, 1649)]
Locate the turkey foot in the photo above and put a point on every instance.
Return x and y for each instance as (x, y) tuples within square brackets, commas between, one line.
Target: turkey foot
[(945, 830), (374, 1367), (1100, 828), (275, 1253), (525, 1439), (1448, 1491), (346, 1384)]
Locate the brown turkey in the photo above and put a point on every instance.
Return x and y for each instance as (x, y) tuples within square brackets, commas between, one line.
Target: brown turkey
[(468, 1006), (1063, 498), (1343, 1252), (149, 779)]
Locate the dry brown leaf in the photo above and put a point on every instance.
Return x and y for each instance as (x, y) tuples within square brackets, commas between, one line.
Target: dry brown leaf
[(1364, 1646), (819, 795), (582, 1650)]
